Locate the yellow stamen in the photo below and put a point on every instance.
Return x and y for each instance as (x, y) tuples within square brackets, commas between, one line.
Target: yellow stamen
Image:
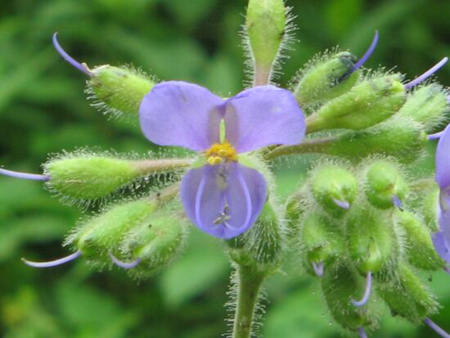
[(221, 152)]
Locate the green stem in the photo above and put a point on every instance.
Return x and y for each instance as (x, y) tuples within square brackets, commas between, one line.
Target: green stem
[(249, 285), (307, 147)]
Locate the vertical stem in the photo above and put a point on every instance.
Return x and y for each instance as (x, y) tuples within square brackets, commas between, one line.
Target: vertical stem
[(249, 285), (262, 75)]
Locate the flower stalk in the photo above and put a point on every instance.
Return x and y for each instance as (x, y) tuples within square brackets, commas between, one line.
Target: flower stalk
[(249, 282)]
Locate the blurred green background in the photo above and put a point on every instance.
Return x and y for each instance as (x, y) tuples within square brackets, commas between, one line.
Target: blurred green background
[(43, 110)]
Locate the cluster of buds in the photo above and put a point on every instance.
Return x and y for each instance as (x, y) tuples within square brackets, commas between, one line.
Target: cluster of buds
[(357, 223)]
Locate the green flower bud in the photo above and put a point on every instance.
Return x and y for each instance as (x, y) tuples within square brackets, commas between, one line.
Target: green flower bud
[(340, 284), (104, 233), (321, 240), (420, 249), (88, 177), (329, 78), (366, 104), (266, 28), (408, 297), (155, 243), (426, 105), (397, 137), (263, 245), (118, 90), (334, 188), (430, 209), (385, 186), (371, 240)]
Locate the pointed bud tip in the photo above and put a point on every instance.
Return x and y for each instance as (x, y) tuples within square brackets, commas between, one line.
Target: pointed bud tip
[(80, 66)]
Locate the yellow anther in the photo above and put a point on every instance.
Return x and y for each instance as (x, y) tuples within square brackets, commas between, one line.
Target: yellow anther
[(214, 160), (221, 152)]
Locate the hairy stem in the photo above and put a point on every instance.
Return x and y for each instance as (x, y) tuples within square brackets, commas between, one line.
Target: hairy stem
[(306, 147), (249, 284), (162, 165)]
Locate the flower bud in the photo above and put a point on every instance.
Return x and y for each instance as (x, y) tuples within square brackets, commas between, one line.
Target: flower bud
[(426, 105), (371, 240), (104, 233), (408, 297), (430, 209), (334, 188), (263, 245), (341, 284), (118, 91), (266, 28), (397, 137), (329, 78), (321, 240), (384, 185), (88, 177), (155, 243), (366, 104), (419, 246)]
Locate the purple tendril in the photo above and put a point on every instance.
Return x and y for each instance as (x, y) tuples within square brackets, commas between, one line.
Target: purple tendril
[(54, 263), (362, 333), (366, 296), (80, 66), (367, 55), (124, 265), (397, 202), (427, 74), (436, 328), (341, 204), (318, 269), (25, 176)]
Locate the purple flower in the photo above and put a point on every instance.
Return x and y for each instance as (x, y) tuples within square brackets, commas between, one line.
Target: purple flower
[(223, 197), (441, 239)]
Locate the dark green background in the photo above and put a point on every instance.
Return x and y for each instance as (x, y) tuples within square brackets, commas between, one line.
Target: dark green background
[(43, 110)]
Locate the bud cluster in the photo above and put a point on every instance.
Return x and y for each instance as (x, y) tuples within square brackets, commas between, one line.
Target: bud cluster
[(358, 233)]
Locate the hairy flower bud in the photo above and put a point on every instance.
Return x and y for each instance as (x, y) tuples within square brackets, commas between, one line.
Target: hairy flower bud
[(426, 105), (366, 104), (329, 78), (88, 177), (430, 209), (263, 245), (420, 249), (104, 233), (385, 186), (155, 243), (408, 297), (321, 240), (334, 188), (397, 137), (266, 28), (372, 243), (340, 284), (119, 91)]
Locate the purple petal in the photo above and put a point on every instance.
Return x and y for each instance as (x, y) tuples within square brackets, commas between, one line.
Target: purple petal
[(368, 53), (318, 268), (341, 204), (442, 160), (181, 114), (435, 136), (224, 200), (441, 246), (80, 66), (263, 116), (124, 265), (427, 74), (362, 333)]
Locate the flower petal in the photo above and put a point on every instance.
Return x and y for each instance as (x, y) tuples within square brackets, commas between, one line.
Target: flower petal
[(225, 200), (441, 246), (443, 160), (182, 114), (263, 116)]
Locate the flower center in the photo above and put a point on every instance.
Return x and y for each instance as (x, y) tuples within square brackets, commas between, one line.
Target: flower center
[(221, 152)]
